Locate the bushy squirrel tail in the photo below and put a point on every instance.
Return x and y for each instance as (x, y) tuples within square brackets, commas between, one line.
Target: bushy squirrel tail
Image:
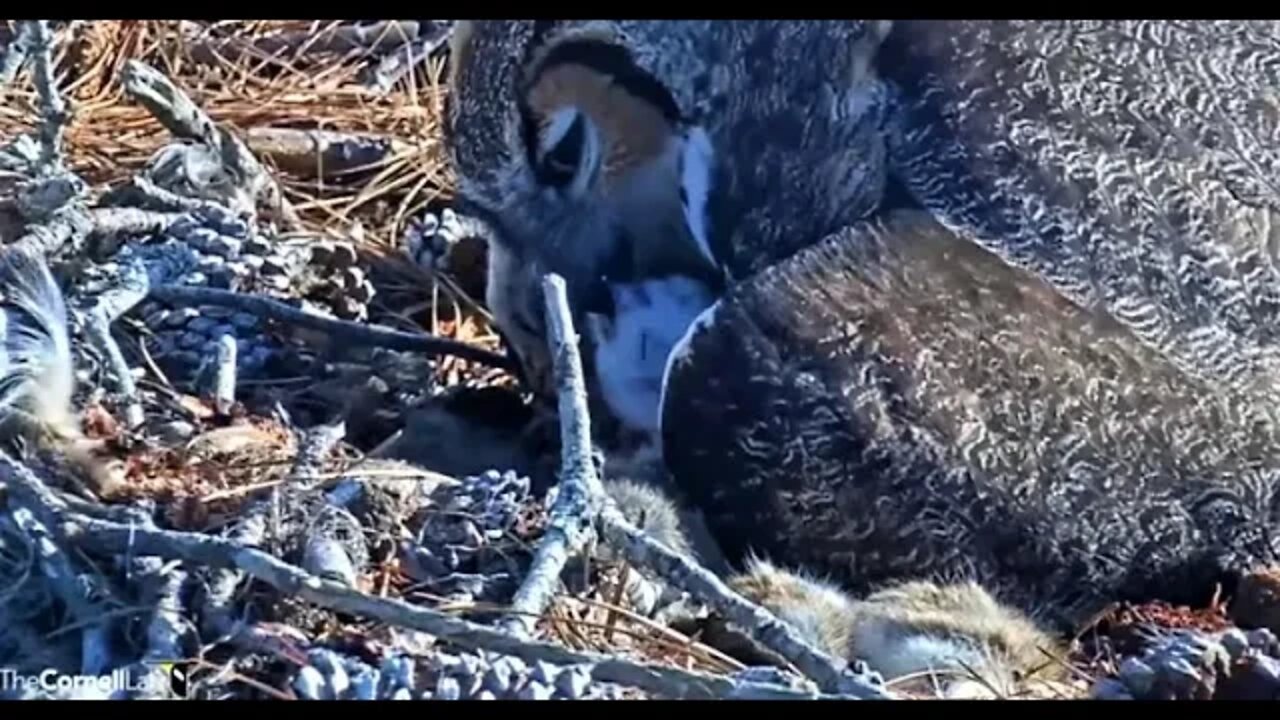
[(37, 374)]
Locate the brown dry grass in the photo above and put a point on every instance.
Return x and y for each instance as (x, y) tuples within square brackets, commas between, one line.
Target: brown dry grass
[(110, 137)]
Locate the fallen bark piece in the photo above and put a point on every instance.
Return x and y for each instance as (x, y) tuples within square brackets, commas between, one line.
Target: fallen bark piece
[(54, 114), (320, 153)]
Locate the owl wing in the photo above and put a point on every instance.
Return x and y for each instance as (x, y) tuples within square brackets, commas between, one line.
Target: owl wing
[(1134, 165), (896, 401)]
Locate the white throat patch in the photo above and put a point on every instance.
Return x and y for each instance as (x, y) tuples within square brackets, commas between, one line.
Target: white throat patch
[(633, 353)]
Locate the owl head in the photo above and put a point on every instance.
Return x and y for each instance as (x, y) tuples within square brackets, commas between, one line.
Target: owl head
[(634, 149), (612, 152)]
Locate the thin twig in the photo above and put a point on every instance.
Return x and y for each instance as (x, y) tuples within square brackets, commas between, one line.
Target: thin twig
[(167, 626), (51, 186), (16, 55), (170, 200), (570, 524), (665, 635), (375, 38), (98, 331), (396, 65), (251, 530), (53, 109), (104, 536), (343, 331), (132, 284), (115, 513), (314, 445), (74, 224), (830, 673), (74, 589), (224, 395)]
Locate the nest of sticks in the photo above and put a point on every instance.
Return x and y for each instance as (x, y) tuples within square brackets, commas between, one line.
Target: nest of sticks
[(243, 552)]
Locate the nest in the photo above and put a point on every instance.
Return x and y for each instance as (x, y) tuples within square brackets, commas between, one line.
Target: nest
[(262, 511)]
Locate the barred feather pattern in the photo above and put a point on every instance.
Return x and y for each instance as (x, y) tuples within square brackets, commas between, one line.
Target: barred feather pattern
[(799, 145), (898, 403), (1132, 164), (36, 366)]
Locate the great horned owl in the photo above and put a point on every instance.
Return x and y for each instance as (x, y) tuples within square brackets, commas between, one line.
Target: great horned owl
[(1132, 164), (1074, 404)]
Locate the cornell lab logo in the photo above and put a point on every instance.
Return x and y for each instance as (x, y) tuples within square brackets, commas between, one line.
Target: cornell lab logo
[(171, 675), (177, 675)]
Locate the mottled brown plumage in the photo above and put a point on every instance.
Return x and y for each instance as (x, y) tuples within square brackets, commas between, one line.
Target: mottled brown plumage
[(1133, 164), (1064, 391), (898, 403), (653, 96)]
